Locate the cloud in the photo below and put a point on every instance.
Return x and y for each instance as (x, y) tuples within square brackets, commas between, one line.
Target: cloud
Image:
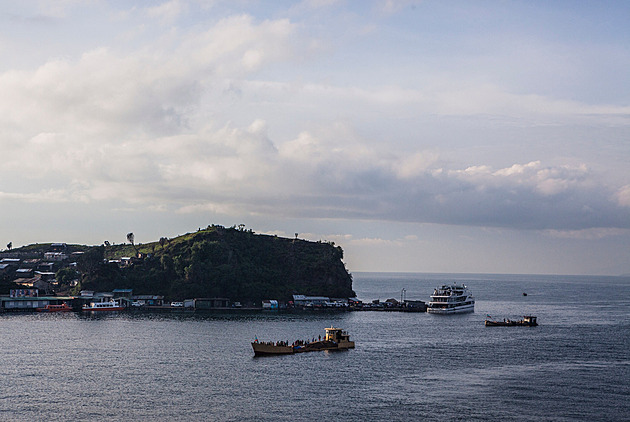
[(328, 174), (375, 241), (57, 9), (315, 4), (395, 6), (167, 12), (546, 181), (623, 196), (148, 129), (45, 196), (462, 100), (149, 92), (105, 112), (588, 234)]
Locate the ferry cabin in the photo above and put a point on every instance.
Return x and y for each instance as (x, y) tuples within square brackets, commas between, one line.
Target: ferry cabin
[(340, 337), (528, 319), (336, 335)]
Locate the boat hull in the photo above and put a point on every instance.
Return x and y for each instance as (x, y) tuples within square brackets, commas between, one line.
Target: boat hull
[(103, 309), (448, 311), (510, 324), (263, 349), (55, 308)]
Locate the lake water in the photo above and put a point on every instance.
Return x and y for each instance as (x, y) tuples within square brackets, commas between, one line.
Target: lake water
[(406, 366)]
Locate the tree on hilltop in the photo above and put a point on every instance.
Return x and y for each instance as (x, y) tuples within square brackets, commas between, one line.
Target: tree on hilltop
[(130, 238)]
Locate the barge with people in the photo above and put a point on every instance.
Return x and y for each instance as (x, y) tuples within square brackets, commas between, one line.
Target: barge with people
[(527, 321), (335, 339)]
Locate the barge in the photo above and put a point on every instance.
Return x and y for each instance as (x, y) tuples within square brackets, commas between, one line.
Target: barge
[(335, 339), (527, 321)]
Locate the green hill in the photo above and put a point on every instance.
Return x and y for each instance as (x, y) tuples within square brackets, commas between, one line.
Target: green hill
[(221, 262)]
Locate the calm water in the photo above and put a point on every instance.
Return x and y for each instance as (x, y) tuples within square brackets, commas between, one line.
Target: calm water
[(574, 366)]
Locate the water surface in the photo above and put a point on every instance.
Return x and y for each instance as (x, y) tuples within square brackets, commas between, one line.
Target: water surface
[(406, 366)]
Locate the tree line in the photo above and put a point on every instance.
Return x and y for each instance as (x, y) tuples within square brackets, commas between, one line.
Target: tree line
[(222, 262)]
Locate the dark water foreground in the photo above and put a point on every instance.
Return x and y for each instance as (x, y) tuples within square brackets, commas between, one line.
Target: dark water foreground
[(574, 366)]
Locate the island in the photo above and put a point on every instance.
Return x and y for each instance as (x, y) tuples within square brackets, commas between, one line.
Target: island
[(233, 263)]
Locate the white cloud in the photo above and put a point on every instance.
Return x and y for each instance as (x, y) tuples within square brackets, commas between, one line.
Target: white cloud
[(59, 8), (414, 165), (623, 196), (316, 4), (395, 6), (103, 117), (217, 208), (167, 12), (588, 234), (547, 181), (374, 241)]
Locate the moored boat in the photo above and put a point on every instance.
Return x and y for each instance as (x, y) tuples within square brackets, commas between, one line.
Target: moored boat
[(335, 339), (55, 308), (451, 299), (527, 321), (112, 305)]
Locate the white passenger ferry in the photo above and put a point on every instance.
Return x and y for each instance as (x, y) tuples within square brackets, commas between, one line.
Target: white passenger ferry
[(451, 299)]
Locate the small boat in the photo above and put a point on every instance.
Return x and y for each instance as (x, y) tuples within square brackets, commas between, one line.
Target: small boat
[(451, 299), (335, 339), (527, 321), (55, 308), (112, 305)]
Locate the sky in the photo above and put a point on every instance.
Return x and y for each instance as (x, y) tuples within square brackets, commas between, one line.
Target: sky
[(420, 136)]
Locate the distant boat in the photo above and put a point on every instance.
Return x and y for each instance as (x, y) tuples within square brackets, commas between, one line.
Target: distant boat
[(335, 339), (103, 306), (524, 294), (527, 321), (55, 308), (451, 299)]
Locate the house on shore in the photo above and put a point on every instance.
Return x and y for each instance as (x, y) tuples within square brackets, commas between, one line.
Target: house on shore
[(28, 300)]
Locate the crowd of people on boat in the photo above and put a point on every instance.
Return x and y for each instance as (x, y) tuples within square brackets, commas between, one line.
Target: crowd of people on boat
[(286, 343), (304, 342)]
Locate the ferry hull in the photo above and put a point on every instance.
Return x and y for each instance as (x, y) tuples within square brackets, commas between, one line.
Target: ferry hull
[(110, 306), (119, 308), (447, 311)]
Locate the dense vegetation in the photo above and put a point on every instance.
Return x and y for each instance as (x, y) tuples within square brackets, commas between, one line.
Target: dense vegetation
[(232, 263), (7, 284)]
